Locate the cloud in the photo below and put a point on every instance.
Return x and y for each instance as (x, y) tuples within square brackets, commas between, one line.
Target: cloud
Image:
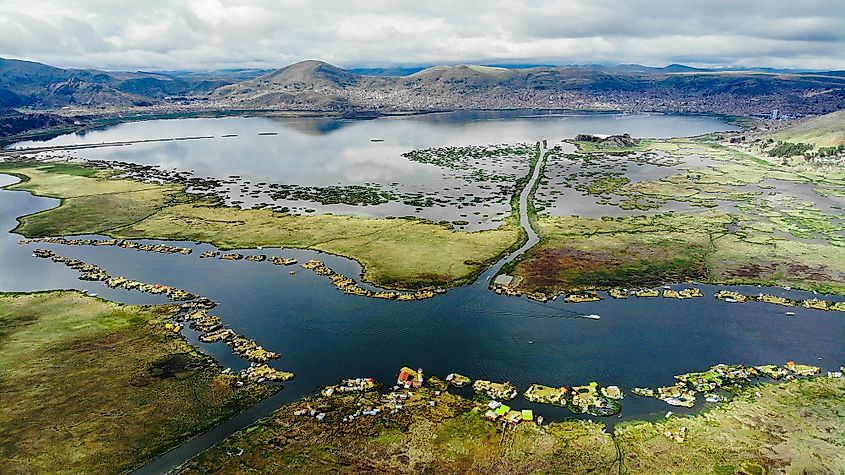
[(206, 34)]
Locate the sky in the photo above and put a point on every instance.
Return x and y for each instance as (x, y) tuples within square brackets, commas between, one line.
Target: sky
[(214, 34)]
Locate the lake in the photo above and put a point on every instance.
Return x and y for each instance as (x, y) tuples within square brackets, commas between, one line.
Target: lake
[(249, 164)]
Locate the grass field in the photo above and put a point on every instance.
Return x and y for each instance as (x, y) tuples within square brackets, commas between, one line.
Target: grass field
[(793, 427), (749, 221), (578, 253), (89, 386), (824, 131), (399, 253)]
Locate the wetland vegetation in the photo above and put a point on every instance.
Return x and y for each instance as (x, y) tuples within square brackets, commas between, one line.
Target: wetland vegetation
[(707, 213), (90, 386), (399, 253), (757, 431)]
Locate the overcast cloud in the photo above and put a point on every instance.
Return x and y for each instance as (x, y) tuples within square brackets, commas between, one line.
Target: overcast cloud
[(206, 34)]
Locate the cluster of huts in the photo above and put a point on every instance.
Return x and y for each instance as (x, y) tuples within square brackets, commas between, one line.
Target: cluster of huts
[(719, 377), (733, 296), (587, 399), (235, 256)]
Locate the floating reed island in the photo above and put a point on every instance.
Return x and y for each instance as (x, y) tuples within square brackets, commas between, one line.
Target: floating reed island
[(505, 287), (509, 285), (92, 272), (588, 399), (122, 243), (349, 286), (732, 296), (721, 379), (194, 312)]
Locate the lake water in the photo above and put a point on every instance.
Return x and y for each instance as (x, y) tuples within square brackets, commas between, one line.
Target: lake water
[(324, 335), (336, 152)]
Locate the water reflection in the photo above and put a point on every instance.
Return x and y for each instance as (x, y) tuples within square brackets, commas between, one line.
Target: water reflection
[(324, 152)]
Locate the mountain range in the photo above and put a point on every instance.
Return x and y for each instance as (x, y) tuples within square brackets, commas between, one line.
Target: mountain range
[(319, 86), (31, 84), (315, 85)]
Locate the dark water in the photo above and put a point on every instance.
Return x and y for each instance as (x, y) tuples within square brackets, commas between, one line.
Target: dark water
[(324, 335)]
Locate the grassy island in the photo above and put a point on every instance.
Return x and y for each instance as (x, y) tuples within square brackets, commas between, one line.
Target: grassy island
[(396, 253), (90, 386)]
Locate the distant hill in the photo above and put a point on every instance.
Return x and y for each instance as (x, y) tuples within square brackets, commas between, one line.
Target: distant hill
[(31, 84), (316, 85), (823, 131), (304, 85)]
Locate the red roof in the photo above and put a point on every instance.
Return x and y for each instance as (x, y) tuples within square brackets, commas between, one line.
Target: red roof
[(404, 376)]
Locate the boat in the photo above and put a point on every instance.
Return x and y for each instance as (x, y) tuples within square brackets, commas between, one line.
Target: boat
[(729, 300), (789, 314), (592, 316), (376, 140)]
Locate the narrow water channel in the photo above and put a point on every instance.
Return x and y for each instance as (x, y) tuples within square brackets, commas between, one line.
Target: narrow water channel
[(195, 446)]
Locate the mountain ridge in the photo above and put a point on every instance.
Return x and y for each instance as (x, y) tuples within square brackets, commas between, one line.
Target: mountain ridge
[(315, 85)]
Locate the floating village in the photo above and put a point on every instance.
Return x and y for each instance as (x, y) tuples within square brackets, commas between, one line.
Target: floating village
[(508, 285), (492, 398), (588, 399), (813, 303), (122, 243), (413, 391), (92, 272), (349, 286)]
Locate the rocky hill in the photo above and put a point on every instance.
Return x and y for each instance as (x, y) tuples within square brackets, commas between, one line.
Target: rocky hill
[(35, 85)]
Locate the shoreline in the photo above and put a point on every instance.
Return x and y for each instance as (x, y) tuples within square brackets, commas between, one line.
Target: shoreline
[(149, 335)]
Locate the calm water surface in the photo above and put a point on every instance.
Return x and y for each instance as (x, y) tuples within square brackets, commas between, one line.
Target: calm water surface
[(330, 152), (324, 335)]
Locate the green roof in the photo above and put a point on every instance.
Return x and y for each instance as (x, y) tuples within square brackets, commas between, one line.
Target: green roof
[(502, 410), (527, 415)]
